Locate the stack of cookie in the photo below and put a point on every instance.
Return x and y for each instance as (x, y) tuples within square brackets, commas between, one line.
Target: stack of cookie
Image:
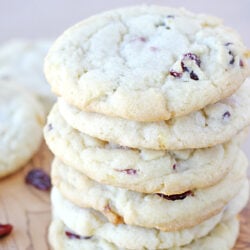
[(146, 132)]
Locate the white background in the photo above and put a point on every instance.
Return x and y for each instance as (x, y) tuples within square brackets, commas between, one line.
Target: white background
[(49, 18), (40, 18)]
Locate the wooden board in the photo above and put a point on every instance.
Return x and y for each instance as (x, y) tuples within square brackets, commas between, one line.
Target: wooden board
[(28, 210)]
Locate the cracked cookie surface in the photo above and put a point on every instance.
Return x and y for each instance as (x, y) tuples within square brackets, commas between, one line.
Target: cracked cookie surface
[(146, 63)]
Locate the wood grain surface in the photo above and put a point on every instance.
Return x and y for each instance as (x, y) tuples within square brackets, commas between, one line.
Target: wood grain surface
[(28, 210)]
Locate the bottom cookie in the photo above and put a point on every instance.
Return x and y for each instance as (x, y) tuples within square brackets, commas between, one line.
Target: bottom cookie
[(150, 211), (89, 222), (223, 237)]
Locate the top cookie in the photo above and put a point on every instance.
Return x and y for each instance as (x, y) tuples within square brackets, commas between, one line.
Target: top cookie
[(146, 63)]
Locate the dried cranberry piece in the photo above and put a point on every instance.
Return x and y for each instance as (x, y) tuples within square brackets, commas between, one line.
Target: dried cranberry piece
[(176, 196), (233, 57), (175, 74), (128, 171), (193, 57), (50, 126), (76, 236), (142, 39), (184, 68), (174, 167), (241, 63), (227, 114), (139, 39), (39, 179), (228, 43), (194, 76), (153, 48), (5, 229)]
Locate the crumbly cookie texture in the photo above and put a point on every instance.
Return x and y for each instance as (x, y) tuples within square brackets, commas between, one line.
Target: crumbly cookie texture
[(89, 223), (215, 124), (141, 170), (223, 237), (166, 213), (22, 61), (146, 63), (21, 121)]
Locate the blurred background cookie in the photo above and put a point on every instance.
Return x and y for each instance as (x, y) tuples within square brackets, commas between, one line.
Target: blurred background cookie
[(21, 120), (22, 61)]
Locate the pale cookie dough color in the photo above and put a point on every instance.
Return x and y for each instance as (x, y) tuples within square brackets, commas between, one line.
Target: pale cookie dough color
[(22, 61), (166, 213), (216, 123), (21, 121), (223, 237), (91, 223), (141, 170), (146, 63)]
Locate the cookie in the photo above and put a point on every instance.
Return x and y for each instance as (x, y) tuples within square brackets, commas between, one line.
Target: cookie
[(146, 63), (21, 122), (89, 223), (223, 237), (21, 61), (166, 213), (238, 203), (210, 126), (141, 170)]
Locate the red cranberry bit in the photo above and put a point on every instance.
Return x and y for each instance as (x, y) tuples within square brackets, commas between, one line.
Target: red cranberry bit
[(193, 57), (174, 167), (72, 235), (226, 115), (76, 236), (128, 171), (184, 68), (176, 196), (175, 74), (139, 39), (5, 229), (142, 39), (194, 76), (241, 63), (39, 179)]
